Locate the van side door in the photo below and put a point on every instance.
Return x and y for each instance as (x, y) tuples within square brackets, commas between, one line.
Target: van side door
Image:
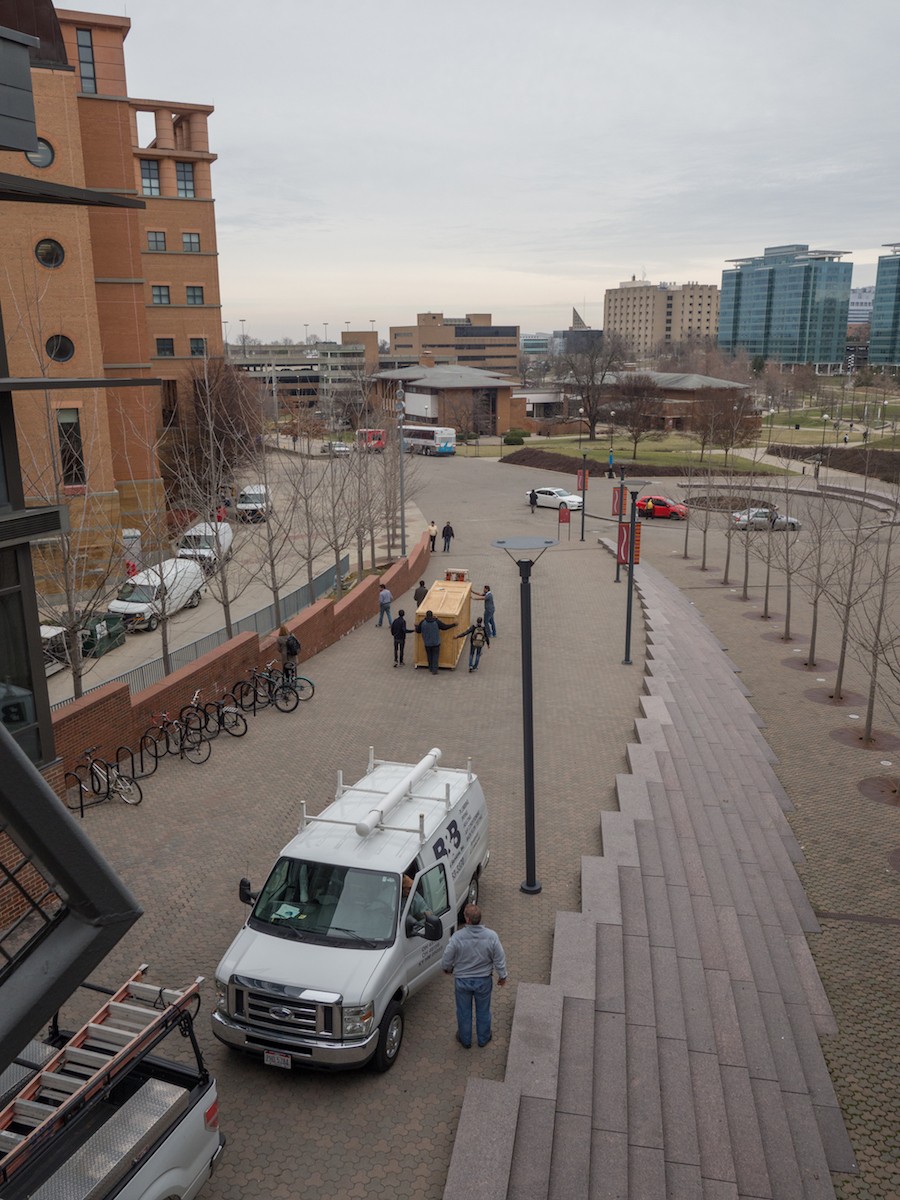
[(432, 893)]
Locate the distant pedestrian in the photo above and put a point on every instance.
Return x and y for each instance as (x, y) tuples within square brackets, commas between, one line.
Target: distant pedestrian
[(384, 605), (471, 957), (430, 629), (294, 440), (648, 510), (478, 639), (399, 632), (448, 535), (420, 593), (488, 597), (532, 500), (432, 535), (288, 648)]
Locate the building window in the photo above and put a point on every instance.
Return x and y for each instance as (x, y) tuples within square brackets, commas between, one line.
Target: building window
[(150, 176), (49, 253), (169, 396), (160, 293), (198, 347), (165, 347), (71, 451), (190, 243), (43, 156), (156, 239), (86, 60), (194, 295), (184, 173), (59, 347)]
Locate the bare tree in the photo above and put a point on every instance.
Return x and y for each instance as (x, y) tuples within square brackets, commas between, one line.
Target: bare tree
[(589, 373), (639, 408), (723, 419), (337, 513)]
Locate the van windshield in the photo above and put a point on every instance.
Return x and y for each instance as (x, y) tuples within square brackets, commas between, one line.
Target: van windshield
[(331, 905), (137, 593), (252, 498), (198, 541)]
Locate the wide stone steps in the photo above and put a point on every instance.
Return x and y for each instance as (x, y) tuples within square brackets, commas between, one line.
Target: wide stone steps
[(675, 1052)]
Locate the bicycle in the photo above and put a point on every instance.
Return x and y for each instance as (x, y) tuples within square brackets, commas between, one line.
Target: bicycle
[(182, 737), (193, 714), (305, 688), (105, 779), (224, 714), (264, 688)]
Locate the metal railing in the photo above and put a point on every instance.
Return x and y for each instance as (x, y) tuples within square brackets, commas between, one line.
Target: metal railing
[(261, 622)]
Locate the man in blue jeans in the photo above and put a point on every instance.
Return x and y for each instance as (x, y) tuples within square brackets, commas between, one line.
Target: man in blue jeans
[(472, 955)]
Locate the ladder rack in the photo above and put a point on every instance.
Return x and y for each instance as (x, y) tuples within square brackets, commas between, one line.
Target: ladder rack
[(126, 1027)]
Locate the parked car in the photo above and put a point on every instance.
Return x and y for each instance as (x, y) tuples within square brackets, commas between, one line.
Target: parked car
[(207, 544), (254, 503), (335, 449), (674, 510), (551, 497), (159, 591), (764, 518)]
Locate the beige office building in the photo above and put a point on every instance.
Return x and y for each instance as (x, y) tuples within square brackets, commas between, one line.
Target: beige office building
[(471, 341), (648, 315)]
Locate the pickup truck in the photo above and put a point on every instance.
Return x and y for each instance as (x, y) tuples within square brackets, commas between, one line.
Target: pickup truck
[(99, 1114)]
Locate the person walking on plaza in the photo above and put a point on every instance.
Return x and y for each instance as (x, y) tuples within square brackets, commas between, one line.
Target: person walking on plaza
[(448, 535), (478, 639), (532, 500), (432, 535), (488, 597), (288, 648), (648, 510), (421, 591), (384, 605), (430, 629), (472, 955), (399, 631)]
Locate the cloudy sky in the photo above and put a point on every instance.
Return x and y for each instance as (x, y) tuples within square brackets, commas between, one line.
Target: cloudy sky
[(519, 157)]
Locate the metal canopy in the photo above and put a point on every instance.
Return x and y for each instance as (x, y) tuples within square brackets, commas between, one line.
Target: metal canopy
[(50, 383), (19, 189)]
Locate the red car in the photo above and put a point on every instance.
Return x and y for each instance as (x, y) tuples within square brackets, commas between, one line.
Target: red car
[(663, 507)]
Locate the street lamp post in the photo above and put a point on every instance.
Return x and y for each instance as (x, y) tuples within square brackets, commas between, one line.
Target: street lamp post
[(580, 424), (771, 420), (634, 486), (612, 419), (583, 489), (825, 420), (401, 409), (525, 552), (243, 322), (621, 519)]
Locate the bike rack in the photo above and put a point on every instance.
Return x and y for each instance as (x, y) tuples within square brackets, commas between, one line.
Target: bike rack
[(147, 758)]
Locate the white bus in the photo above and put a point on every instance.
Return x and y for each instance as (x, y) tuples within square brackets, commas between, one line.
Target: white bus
[(429, 439)]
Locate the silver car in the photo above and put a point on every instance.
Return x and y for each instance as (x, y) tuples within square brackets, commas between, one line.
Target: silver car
[(764, 518), (554, 497)]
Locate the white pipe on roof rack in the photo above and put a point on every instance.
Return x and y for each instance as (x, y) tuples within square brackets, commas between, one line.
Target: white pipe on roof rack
[(374, 818)]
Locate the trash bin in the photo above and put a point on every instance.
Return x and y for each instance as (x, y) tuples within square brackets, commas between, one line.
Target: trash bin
[(101, 635)]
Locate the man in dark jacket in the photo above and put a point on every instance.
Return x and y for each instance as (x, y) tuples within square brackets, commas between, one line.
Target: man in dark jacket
[(448, 535), (399, 631), (430, 629), (420, 593)]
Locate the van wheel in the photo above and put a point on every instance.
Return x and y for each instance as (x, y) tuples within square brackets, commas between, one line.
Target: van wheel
[(194, 600), (390, 1036), (152, 624), (472, 893)]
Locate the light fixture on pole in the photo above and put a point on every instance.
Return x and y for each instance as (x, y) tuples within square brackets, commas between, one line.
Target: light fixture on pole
[(825, 420), (325, 323), (243, 322), (580, 423), (525, 551), (306, 332), (634, 486), (771, 419), (401, 410), (372, 323), (612, 417), (225, 324)]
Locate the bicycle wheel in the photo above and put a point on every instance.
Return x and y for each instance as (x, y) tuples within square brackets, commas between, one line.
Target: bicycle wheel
[(304, 687), (167, 738), (211, 718), (285, 697), (193, 714), (245, 694), (193, 725), (100, 778), (196, 752), (233, 722), (264, 689), (129, 789)]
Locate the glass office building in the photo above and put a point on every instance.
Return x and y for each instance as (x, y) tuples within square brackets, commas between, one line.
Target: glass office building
[(789, 305), (884, 324)]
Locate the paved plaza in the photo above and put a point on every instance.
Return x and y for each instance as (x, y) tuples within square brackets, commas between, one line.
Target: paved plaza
[(201, 828)]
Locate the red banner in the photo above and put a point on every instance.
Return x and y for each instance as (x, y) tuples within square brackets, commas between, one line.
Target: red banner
[(618, 502), (622, 545), (582, 484), (565, 517)]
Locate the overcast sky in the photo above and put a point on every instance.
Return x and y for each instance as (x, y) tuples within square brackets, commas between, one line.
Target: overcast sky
[(519, 157)]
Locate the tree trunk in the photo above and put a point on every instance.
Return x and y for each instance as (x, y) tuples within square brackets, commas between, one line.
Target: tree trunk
[(164, 632), (338, 581)]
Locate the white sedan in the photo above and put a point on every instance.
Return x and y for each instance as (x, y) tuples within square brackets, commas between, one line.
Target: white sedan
[(550, 497), (763, 518)]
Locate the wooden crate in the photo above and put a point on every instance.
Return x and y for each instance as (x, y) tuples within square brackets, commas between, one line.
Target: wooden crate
[(449, 601)]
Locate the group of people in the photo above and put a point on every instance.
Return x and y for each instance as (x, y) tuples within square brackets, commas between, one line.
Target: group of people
[(430, 627), (446, 533)]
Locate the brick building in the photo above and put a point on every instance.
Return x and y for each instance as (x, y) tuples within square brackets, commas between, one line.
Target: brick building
[(470, 341), (648, 315)]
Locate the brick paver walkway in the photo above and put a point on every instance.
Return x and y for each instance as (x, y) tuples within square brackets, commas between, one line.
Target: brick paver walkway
[(201, 828)]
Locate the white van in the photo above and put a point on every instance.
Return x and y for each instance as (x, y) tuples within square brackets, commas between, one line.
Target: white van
[(330, 952), (254, 503), (208, 544), (157, 592)]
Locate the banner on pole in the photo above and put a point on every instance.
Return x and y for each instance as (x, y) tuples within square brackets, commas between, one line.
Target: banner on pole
[(565, 517), (622, 544), (581, 481), (618, 501)]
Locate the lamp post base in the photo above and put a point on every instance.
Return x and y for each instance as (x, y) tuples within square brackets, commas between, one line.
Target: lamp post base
[(530, 889)]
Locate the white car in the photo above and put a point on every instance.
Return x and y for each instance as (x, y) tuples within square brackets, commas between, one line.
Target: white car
[(551, 497), (764, 518)]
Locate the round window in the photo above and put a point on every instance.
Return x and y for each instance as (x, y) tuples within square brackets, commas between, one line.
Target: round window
[(43, 156), (60, 348), (49, 252)]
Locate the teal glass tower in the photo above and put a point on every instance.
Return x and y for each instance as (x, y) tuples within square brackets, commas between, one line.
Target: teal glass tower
[(789, 305), (884, 327)]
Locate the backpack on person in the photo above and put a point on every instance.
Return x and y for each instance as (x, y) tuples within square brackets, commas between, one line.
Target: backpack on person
[(479, 637), (292, 646)]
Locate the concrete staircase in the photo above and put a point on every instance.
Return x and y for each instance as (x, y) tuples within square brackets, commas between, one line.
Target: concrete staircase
[(675, 1053)]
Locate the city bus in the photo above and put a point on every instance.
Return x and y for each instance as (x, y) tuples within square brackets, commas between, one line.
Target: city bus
[(429, 439)]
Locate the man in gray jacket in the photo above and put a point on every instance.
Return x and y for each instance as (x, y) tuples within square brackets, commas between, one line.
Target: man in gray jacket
[(430, 629), (472, 955)]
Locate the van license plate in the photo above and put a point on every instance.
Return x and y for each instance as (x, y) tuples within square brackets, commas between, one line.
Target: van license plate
[(274, 1058)]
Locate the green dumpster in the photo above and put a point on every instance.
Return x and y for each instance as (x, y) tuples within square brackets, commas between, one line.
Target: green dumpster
[(101, 635)]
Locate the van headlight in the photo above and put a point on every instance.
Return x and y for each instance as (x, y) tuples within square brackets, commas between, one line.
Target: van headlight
[(358, 1022), (221, 996)]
